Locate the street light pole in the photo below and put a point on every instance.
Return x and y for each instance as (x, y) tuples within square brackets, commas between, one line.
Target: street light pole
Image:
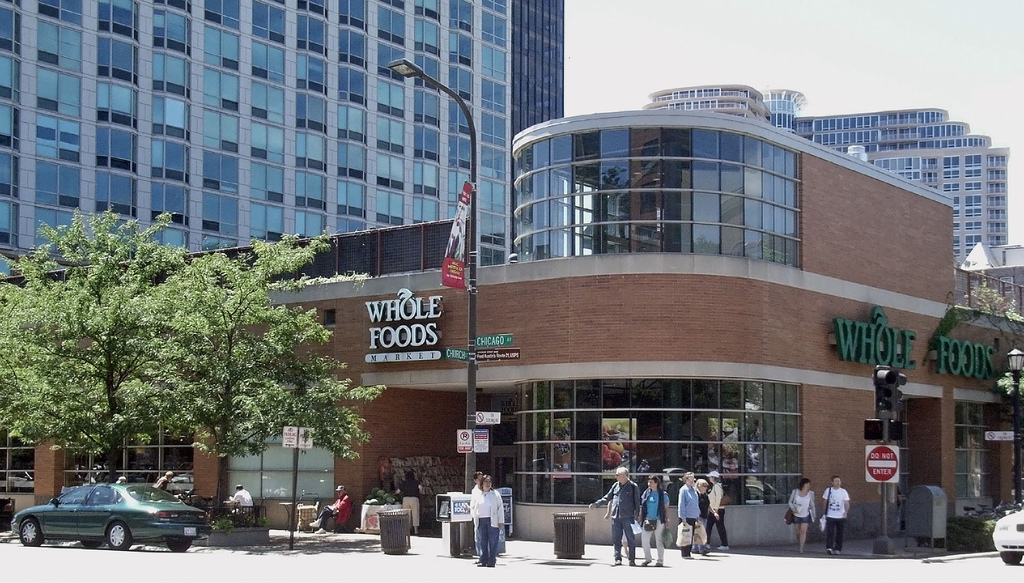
[(406, 68), (1015, 359)]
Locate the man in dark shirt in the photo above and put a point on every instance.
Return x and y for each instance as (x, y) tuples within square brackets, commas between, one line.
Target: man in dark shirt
[(624, 497)]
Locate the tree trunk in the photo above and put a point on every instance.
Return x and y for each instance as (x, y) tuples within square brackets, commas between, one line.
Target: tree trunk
[(113, 456)]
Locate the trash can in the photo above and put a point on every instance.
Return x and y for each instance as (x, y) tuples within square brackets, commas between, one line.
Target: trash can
[(394, 531), (570, 534)]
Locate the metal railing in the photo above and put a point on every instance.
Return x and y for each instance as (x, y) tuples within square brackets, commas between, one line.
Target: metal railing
[(975, 289)]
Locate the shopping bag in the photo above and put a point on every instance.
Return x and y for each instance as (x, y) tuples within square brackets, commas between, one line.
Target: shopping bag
[(700, 535), (684, 536), (668, 538), (821, 523), (637, 529)]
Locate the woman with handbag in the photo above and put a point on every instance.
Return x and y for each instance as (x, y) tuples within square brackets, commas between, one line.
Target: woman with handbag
[(653, 513), (801, 510)]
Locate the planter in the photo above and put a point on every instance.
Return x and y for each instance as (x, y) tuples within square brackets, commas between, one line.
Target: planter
[(239, 537), (368, 520)]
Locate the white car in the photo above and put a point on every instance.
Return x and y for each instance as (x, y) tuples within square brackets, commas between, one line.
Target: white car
[(1008, 537)]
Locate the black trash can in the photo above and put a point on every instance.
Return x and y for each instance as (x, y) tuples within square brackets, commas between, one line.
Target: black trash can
[(570, 534), (394, 531)]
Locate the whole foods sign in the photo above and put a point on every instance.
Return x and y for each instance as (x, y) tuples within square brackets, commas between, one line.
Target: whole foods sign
[(405, 324), (875, 342)]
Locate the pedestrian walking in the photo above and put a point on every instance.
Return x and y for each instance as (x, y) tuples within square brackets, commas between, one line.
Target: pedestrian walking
[(488, 518), (624, 498), (837, 507), (653, 517), (716, 518), (801, 502), (689, 514)]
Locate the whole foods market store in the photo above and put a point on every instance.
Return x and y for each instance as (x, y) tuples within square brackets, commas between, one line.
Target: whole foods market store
[(678, 282)]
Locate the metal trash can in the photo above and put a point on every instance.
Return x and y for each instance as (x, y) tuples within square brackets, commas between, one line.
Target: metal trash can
[(570, 534), (394, 531)]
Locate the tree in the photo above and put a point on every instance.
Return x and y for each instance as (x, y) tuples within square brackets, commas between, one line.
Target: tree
[(242, 364), (83, 341)]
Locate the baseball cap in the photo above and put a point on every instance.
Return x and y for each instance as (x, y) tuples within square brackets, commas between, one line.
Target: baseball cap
[(339, 488), (714, 474)]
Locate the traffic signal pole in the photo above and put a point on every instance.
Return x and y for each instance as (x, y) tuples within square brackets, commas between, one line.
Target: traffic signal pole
[(883, 545)]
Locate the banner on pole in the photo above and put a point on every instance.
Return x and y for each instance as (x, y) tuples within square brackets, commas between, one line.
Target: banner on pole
[(453, 268)]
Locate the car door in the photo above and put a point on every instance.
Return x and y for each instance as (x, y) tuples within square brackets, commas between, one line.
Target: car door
[(62, 520), (95, 513)]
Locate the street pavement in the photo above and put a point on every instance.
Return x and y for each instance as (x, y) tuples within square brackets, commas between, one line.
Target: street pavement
[(333, 555), (432, 548)]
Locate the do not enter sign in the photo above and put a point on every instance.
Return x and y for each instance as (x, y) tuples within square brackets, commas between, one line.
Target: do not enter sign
[(882, 463)]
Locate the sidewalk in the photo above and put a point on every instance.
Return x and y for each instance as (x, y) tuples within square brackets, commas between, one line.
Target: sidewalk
[(542, 552)]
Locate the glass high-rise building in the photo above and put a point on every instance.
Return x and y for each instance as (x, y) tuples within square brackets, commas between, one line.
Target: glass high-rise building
[(922, 145), (925, 146), (251, 118), (538, 62)]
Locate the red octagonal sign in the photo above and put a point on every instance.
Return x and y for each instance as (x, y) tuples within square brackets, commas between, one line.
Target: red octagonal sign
[(882, 463)]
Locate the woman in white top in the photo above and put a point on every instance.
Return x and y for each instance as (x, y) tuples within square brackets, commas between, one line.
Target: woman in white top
[(801, 502), (488, 516)]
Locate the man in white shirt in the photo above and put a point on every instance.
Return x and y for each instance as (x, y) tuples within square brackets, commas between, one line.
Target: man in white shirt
[(242, 497), (837, 507)]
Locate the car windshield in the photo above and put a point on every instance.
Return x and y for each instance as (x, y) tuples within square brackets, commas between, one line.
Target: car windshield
[(149, 494)]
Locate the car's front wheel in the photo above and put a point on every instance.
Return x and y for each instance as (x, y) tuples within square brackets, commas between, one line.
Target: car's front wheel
[(119, 537), (1011, 558), (30, 533), (179, 545)]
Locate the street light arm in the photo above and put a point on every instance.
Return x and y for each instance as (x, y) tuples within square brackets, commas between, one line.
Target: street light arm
[(406, 68)]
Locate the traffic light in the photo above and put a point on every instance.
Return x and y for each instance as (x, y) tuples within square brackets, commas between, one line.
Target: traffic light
[(873, 430), (887, 382)]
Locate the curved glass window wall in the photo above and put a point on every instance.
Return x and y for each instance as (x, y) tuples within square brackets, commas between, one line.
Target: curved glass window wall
[(654, 189), (574, 434)]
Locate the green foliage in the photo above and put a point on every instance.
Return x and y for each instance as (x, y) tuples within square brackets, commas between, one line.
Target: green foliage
[(224, 524), (132, 336), (81, 348), (949, 321), (967, 534), (242, 368)]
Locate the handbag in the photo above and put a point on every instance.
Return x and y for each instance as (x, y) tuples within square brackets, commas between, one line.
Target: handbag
[(788, 517), (821, 521), (651, 524)]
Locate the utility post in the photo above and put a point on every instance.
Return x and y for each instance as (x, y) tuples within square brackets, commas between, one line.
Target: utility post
[(887, 381)]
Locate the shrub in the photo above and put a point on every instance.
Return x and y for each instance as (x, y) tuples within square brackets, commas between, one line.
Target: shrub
[(966, 534)]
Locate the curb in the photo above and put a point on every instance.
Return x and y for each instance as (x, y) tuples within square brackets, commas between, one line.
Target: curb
[(965, 556)]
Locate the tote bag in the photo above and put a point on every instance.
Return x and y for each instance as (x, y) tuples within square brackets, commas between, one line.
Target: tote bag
[(684, 536)]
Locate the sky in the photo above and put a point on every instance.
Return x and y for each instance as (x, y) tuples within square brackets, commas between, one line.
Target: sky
[(966, 57)]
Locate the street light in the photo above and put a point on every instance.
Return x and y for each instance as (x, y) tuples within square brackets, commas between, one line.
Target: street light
[(407, 68), (1015, 359)]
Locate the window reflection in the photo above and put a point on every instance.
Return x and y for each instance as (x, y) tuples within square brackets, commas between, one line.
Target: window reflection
[(747, 205), (576, 433)]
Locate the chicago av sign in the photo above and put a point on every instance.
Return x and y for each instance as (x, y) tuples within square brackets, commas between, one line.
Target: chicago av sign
[(406, 322)]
